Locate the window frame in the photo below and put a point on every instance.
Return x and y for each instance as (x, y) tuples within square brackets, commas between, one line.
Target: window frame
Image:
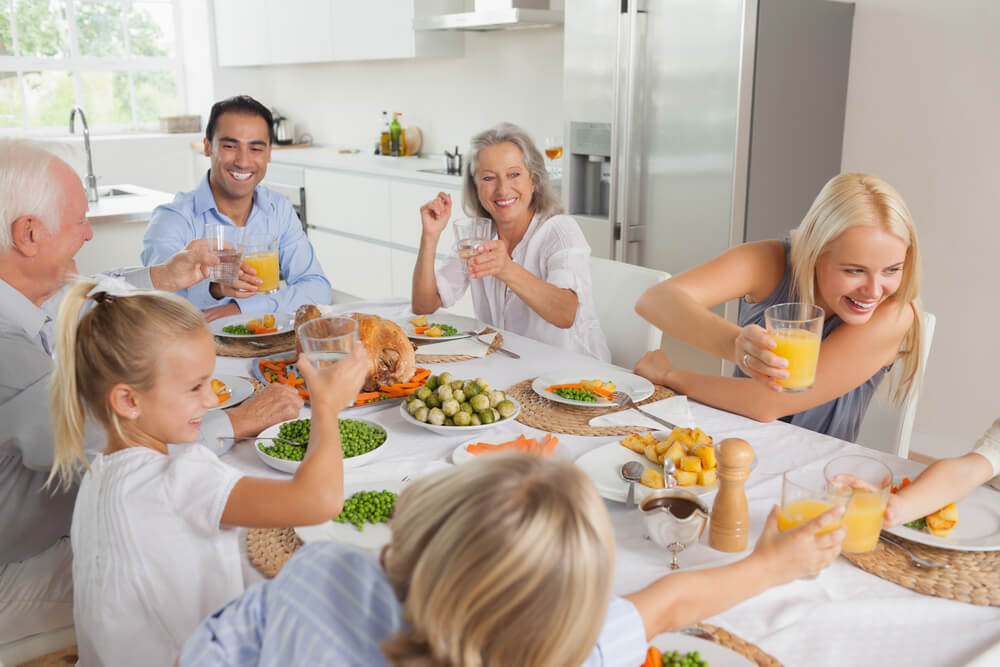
[(76, 64)]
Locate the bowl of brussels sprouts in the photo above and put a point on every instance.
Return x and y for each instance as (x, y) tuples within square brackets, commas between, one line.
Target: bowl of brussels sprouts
[(447, 405)]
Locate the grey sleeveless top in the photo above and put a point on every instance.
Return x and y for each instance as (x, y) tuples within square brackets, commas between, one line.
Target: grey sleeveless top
[(840, 417)]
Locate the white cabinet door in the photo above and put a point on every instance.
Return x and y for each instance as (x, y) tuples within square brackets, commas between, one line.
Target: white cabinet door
[(348, 203), (402, 281), (373, 29), (354, 267), (115, 244), (259, 32), (405, 200)]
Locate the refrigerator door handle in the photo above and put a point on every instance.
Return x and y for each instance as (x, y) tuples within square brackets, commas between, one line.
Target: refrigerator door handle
[(624, 152), (616, 100)]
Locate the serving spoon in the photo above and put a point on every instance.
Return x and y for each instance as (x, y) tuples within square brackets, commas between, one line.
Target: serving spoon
[(631, 472)]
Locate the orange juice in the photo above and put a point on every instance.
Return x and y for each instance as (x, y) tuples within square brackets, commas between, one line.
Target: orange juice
[(266, 265), (863, 519), (801, 348), (800, 511)]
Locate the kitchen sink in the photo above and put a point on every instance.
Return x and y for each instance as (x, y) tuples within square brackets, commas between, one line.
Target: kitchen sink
[(117, 191)]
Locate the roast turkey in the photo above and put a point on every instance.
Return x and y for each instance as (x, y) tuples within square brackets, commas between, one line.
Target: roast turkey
[(390, 354)]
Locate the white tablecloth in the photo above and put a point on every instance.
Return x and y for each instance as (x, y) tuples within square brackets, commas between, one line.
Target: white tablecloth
[(844, 617)]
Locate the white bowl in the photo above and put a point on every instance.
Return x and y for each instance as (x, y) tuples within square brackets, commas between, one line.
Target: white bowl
[(285, 465), (455, 430)]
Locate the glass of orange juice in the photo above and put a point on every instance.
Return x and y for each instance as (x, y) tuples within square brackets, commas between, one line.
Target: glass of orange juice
[(868, 481), (797, 329), (801, 501), (261, 252)]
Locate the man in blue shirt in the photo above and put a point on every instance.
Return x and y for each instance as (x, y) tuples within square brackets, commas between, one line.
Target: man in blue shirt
[(238, 140)]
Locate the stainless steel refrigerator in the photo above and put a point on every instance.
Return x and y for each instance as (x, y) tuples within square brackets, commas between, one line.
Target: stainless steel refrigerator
[(695, 125)]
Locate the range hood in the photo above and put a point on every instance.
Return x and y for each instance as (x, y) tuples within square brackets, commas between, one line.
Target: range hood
[(494, 15)]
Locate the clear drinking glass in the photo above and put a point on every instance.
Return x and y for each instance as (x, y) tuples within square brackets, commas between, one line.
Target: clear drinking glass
[(797, 329), (868, 481), (469, 233), (554, 151), (226, 242), (804, 497), (261, 252), (328, 339)]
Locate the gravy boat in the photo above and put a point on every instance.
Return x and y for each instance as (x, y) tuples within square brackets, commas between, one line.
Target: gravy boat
[(675, 518)]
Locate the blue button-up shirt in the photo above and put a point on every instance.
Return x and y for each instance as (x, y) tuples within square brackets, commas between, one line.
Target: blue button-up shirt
[(176, 224), (332, 605)]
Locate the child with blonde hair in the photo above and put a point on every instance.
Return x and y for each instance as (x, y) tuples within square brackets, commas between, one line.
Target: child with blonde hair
[(154, 544), (505, 560)]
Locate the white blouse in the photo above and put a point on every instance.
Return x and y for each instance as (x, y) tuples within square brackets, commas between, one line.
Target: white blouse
[(989, 446), (150, 560), (554, 250)]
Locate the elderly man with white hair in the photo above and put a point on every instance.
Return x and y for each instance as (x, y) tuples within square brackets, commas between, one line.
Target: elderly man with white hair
[(43, 223)]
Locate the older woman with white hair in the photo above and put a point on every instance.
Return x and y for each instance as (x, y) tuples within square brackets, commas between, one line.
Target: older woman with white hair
[(532, 276)]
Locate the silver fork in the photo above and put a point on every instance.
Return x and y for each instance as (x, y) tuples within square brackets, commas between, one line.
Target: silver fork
[(621, 399), (914, 558)]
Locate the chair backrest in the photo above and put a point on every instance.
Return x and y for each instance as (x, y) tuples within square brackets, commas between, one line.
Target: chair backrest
[(616, 287), (888, 426)]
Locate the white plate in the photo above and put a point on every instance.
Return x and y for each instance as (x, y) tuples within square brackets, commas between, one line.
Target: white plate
[(714, 654), (639, 388), (372, 538), (283, 322), (978, 526), (239, 389), (457, 321), (284, 465), (456, 430), (604, 465), (461, 454)]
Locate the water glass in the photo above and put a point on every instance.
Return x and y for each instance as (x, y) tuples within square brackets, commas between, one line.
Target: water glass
[(226, 243), (261, 252), (797, 329), (868, 481), (469, 233), (327, 339)]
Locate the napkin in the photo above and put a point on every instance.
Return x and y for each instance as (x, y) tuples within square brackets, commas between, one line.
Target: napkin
[(674, 409), (462, 346)]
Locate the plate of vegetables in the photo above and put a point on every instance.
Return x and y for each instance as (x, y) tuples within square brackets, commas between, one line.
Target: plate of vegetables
[(591, 388), (362, 440), (253, 325), (231, 390), (369, 502), (448, 405), (972, 524), (676, 649), (542, 446), (281, 368), (440, 326)]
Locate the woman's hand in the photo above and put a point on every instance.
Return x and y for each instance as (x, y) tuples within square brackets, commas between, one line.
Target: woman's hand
[(333, 388), (491, 259), (655, 367), (752, 353), (434, 214), (801, 551)]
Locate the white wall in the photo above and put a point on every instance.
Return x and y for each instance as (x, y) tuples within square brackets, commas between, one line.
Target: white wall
[(923, 105), (511, 76)]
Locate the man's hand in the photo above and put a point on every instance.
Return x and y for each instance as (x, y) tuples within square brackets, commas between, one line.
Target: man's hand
[(218, 312), (245, 285), (184, 268), (273, 404)]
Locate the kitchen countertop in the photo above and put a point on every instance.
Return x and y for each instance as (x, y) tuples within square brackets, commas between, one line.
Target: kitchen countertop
[(135, 204), (363, 163)]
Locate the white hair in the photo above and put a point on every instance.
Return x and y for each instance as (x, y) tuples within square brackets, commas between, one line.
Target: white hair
[(27, 186)]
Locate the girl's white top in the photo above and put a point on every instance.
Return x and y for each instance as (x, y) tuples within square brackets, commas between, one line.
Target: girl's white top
[(989, 446), (554, 250), (150, 560)]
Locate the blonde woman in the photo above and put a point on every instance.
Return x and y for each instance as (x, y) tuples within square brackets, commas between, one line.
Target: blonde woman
[(855, 255), (506, 560), (532, 276)]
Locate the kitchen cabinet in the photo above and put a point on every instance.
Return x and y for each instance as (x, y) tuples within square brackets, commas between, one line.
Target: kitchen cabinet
[(348, 203), (355, 267), (307, 31), (402, 281), (404, 212), (115, 244)]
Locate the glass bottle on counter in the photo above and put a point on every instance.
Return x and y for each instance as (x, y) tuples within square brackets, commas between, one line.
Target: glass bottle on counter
[(395, 136), (384, 138)]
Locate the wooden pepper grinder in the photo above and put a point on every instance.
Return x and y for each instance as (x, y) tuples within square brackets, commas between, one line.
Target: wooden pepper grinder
[(730, 525)]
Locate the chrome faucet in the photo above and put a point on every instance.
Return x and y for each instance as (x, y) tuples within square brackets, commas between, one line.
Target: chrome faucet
[(91, 179)]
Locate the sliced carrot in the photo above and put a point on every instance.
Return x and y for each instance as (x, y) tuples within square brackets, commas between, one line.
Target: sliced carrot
[(549, 444), (572, 385), (420, 374), (304, 393), (420, 330), (223, 397)]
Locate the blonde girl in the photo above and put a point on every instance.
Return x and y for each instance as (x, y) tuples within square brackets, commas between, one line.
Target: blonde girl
[(506, 560), (855, 255), (152, 532)]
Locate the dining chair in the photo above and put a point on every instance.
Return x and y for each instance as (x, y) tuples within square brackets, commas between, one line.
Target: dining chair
[(888, 426), (616, 288), (35, 646)]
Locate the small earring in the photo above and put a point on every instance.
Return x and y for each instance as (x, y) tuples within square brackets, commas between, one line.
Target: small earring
[(133, 415)]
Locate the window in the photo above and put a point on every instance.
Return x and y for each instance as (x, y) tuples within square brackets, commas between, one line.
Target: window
[(115, 58)]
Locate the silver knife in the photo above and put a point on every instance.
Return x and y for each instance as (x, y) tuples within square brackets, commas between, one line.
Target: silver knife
[(494, 346), (654, 417)]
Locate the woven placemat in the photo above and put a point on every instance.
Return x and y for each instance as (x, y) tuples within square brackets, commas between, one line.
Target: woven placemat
[(270, 548), (749, 651), (974, 576), (551, 416), (234, 347), (444, 358)]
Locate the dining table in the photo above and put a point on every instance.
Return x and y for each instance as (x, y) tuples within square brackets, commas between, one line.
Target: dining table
[(845, 616)]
